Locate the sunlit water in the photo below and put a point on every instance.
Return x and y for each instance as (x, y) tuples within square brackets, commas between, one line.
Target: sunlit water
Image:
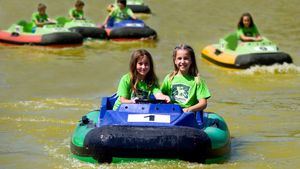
[(44, 91)]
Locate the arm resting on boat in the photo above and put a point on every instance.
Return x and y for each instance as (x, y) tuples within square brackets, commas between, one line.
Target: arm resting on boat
[(160, 96), (247, 38), (201, 105), (126, 101)]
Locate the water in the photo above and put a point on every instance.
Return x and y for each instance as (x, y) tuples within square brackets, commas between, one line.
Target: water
[(44, 91)]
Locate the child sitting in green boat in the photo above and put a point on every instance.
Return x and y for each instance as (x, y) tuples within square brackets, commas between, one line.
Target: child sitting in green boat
[(77, 12), (247, 30), (119, 13), (40, 18)]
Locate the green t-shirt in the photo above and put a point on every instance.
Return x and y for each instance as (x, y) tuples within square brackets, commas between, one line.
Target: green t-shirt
[(120, 15), (76, 14), (185, 90), (135, 2), (124, 90), (40, 18), (250, 32)]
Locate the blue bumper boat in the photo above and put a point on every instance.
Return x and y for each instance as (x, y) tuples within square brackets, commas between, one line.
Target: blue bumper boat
[(150, 130), (130, 30)]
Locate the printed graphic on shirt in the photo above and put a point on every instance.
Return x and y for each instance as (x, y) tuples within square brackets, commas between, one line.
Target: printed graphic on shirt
[(249, 34), (180, 92), (122, 16)]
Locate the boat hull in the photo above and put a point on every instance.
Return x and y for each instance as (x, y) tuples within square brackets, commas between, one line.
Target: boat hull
[(132, 33), (140, 9), (56, 38), (90, 32)]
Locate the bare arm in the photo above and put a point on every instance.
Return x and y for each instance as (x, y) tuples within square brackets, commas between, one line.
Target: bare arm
[(249, 39), (39, 24), (133, 17), (105, 21), (201, 105), (126, 101), (161, 96)]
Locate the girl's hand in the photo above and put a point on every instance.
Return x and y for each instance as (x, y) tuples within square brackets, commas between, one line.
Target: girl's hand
[(167, 99), (161, 96), (134, 99), (258, 38), (185, 110)]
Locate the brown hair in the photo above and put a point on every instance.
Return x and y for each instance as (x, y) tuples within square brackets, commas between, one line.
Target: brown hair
[(79, 3), (41, 6), (150, 79), (124, 2), (193, 70), (241, 24)]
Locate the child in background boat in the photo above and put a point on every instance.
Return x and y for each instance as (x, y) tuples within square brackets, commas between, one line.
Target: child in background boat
[(184, 85), (77, 11), (119, 13), (247, 30), (40, 18), (140, 82)]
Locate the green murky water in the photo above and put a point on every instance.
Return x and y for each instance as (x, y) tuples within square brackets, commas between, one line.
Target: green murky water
[(44, 91)]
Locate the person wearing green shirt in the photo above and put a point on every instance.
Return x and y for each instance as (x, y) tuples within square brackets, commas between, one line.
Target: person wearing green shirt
[(40, 18), (77, 12), (119, 13), (141, 82), (247, 30), (184, 85)]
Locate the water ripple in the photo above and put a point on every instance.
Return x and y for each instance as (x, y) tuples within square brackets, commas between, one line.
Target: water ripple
[(48, 104), (39, 120)]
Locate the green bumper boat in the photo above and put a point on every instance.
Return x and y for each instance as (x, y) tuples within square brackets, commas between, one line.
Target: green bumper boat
[(84, 27), (232, 52), (24, 33)]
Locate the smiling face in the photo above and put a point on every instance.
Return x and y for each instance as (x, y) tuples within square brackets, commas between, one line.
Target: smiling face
[(183, 61), (142, 66), (246, 21)]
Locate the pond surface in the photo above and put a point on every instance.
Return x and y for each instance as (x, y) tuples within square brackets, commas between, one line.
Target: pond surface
[(45, 91)]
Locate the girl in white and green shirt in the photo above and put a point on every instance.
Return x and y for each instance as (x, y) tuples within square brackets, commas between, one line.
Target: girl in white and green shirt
[(184, 85)]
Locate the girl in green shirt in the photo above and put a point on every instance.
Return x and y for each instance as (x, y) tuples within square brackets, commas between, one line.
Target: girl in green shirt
[(184, 85), (140, 82), (119, 13), (247, 30)]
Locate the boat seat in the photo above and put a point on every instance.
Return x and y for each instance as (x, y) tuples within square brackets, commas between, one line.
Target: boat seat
[(231, 41), (110, 22), (108, 102), (61, 21), (27, 26), (199, 118)]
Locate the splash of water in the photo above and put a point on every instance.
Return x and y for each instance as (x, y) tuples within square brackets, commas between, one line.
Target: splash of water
[(274, 69)]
